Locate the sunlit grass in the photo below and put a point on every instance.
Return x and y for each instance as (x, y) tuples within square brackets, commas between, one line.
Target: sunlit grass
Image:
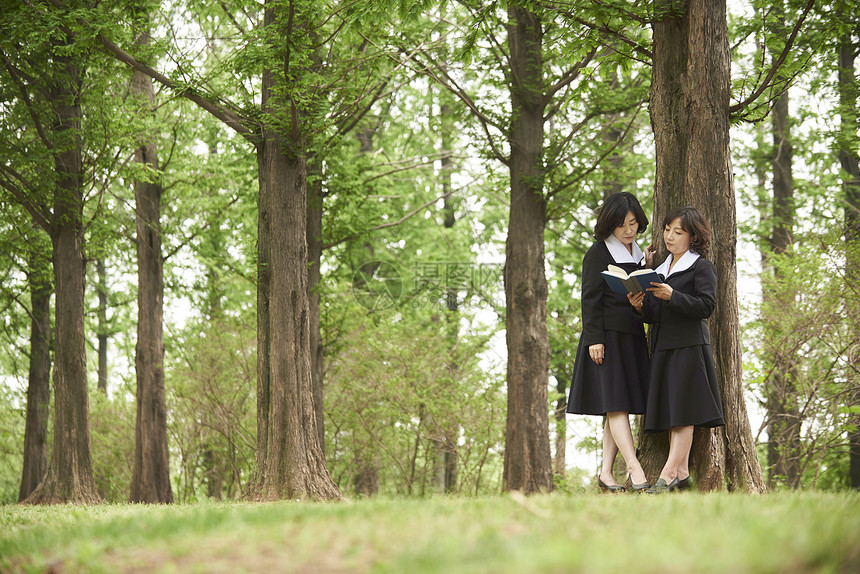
[(806, 532)]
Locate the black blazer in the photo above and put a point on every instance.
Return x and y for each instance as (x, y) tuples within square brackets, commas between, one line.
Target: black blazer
[(603, 310), (682, 321)]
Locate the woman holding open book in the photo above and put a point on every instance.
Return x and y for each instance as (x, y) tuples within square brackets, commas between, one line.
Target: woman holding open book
[(611, 371), (683, 390)]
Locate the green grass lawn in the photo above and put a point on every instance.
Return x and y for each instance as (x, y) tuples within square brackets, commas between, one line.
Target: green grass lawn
[(678, 533)]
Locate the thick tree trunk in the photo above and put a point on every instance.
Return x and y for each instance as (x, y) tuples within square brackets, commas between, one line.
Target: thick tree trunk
[(39, 376), (690, 119), (150, 481), (850, 163), (101, 274), (528, 461), (290, 460), (69, 477)]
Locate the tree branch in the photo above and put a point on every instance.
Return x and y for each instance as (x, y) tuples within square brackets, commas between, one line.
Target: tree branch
[(13, 72), (25, 202), (600, 159), (777, 64), (569, 76), (188, 239), (226, 115), (451, 85), (604, 29), (392, 223)]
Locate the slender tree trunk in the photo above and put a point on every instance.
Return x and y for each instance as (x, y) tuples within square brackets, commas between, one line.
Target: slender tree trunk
[(39, 376), (150, 480), (611, 183), (366, 479), (315, 248), (528, 462), (690, 119), (452, 301), (69, 477), (214, 292), (782, 410), (101, 273), (366, 458), (560, 462), (848, 159), (213, 474)]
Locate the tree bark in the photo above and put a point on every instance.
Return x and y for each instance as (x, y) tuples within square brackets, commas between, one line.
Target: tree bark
[(69, 478), (528, 461), (39, 376), (848, 159), (150, 481), (290, 459), (690, 118)]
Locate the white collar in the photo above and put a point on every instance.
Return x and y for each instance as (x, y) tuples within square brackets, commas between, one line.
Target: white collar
[(685, 262), (619, 252)]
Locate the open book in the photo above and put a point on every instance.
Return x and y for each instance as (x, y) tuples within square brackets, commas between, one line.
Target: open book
[(620, 282)]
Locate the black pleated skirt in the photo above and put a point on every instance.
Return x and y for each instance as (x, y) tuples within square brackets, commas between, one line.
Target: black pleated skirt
[(684, 390), (619, 384)]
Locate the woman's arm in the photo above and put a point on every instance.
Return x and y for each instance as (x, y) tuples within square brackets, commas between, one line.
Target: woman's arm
[(592, 295), (701, 303)]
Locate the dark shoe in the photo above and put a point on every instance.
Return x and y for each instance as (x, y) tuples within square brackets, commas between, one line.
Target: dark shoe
[(637, 488), (660, 487), (611, 488), (685, 484)]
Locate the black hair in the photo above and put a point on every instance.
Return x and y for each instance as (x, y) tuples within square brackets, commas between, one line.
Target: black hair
[(614, 211), (694, 223)]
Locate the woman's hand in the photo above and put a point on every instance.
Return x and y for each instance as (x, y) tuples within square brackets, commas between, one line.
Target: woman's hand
[(596, 352), (661, 290), (636, 300), (650, 253)]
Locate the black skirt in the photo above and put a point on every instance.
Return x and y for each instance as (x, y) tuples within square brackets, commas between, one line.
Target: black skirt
[(684, 390), (619, 384)]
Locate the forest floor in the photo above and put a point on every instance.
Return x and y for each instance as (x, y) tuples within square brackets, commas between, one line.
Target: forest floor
[(683, 533)]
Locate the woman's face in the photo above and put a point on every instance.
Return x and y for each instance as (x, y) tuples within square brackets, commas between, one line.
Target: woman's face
[(677, 240), (626, 232)]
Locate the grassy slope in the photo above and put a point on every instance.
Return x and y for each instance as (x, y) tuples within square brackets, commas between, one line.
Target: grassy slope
[(809, 532)]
